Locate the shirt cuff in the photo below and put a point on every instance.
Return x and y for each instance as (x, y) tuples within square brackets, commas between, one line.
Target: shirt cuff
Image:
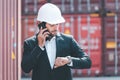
[(70, 64)]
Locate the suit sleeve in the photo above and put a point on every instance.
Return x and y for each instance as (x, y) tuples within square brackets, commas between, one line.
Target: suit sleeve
[(30, 56), (79, 58)]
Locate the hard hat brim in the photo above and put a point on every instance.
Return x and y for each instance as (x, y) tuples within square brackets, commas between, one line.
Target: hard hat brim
[(57, 21)]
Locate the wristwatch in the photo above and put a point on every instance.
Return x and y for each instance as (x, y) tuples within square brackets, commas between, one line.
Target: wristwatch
[(69, 58)]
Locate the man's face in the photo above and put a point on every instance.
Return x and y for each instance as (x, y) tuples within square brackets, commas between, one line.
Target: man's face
[(52, 28)]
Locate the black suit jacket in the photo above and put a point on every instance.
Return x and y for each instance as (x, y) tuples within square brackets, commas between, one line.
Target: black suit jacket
[(37, 60)]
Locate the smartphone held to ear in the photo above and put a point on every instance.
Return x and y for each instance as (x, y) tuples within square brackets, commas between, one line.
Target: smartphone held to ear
[(43, 25)]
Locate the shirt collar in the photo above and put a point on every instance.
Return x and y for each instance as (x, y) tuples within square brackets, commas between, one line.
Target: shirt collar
[(53, 38), (58, 34)]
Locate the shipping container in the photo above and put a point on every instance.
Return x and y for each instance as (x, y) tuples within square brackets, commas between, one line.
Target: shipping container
[(78, 6), (30, 7), (95, 24), (88, 35), (29, 28), (112, 5), (112, 45), (10, 39)]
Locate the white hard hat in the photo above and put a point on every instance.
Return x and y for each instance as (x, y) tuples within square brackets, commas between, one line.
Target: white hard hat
[(50, 13)]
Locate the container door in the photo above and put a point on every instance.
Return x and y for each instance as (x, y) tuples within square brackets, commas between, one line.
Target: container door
[(89, 38), (87, 31), (112, 47)]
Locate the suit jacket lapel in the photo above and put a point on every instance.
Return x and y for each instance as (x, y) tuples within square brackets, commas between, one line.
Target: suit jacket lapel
[(45, 53), (59, 45)]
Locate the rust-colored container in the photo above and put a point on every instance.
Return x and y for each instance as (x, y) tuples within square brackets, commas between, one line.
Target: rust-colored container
[(89, 38), (112, 5), (111, 63), (30, 7), (29, 28), (10, 39), (87, 29), (110, 26), (78, 6)]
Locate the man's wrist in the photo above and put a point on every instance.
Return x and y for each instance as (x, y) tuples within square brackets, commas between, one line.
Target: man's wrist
[(69, 59), (70, 63)]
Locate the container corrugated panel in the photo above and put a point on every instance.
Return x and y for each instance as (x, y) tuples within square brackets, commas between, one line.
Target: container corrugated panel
[(29, 28), (77, 6), (87, 31), (10, 39), (110, 27), (112, 5), (110, 64), (30, 7), (89, 37), (80, 26), (112, 45)]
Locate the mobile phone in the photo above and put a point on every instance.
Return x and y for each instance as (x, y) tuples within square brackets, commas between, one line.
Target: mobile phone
[(43, 25)]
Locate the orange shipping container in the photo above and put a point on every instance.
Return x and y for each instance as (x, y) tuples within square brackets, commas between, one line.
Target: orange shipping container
[(87, 31)]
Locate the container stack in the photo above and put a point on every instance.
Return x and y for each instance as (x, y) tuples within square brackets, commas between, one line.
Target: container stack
[(95, 24)]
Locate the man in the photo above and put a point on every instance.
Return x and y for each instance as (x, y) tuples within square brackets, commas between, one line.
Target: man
[(51, 54)]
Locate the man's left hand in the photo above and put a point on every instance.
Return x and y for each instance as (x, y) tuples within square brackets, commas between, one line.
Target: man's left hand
[(61, 61)]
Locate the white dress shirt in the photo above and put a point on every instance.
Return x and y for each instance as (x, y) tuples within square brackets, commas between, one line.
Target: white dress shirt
[(51, 51)]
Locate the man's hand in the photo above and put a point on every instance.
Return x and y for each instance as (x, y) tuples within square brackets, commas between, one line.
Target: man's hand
[(61, 61)]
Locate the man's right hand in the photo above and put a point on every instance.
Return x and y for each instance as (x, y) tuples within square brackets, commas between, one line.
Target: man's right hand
[(42, 37)]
